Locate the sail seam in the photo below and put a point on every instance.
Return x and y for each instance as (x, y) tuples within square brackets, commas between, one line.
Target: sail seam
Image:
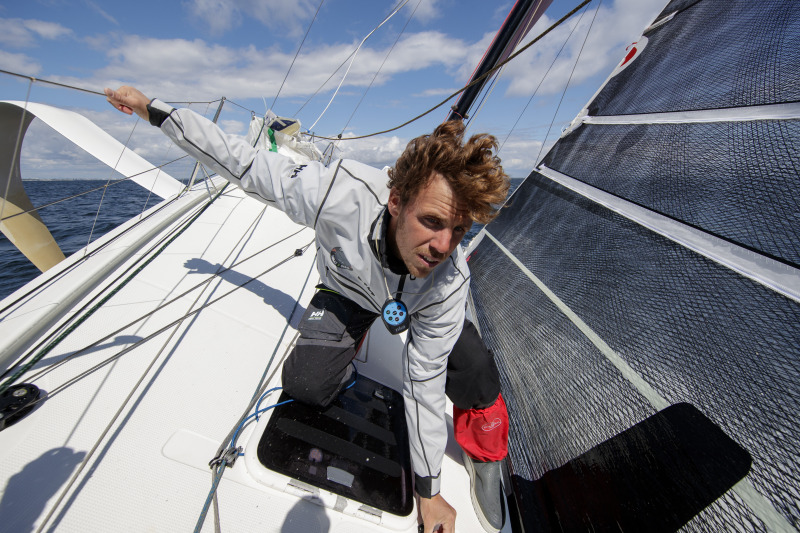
[(761, 506), (784, 111), (779, 277)]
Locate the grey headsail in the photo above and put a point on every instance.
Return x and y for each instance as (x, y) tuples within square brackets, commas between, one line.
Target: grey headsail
[(652, 260)]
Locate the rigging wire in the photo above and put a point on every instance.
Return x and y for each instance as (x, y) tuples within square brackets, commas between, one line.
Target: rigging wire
[(474, 82), (260, 388), (229, 101), (102, 196), (404, 124), (398, 8), (297, 113), (159, 331), (158, 171), (63, 326), (374, 77), (27, 366), (68, 327), (125, 402), (490, 90), (297, 54), (158, 209), (519, 116), (577, 59), (34, 79), (93, 189)]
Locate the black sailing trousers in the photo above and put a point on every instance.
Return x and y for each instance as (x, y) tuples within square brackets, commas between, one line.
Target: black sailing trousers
[(331, 332)]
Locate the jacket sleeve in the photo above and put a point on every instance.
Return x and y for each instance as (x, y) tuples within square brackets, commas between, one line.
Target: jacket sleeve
[(433, 333), (297, 190)]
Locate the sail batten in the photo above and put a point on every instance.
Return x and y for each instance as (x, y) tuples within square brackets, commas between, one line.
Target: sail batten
[(778, 276), (789, 111)]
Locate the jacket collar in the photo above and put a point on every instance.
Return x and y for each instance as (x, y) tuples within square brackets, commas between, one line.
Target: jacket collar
[(379, 245)]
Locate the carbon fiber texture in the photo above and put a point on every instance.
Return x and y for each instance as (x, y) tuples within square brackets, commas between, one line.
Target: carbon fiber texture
[(693, 330), (736, 180), (712, 54)]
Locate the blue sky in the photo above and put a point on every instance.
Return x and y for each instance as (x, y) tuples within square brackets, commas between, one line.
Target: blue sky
[(199, 50)]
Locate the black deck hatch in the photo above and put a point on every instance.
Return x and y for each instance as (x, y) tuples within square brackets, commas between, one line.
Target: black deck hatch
[(357, 447)]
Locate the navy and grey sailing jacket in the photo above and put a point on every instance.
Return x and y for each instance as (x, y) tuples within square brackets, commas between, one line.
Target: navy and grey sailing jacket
[(345, 204)]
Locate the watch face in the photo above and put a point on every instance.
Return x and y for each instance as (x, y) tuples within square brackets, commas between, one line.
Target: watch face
[(395, 316)]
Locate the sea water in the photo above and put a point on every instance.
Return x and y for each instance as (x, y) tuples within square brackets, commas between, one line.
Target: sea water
[(71, 221)]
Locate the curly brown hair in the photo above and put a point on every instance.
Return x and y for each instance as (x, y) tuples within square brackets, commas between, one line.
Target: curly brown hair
[(472, 169)]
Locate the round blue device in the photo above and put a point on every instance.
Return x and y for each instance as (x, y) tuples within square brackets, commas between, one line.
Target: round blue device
[(395, 316)]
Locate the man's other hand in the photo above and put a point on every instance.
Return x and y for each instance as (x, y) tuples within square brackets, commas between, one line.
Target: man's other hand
[(129, 100), (437, 513)]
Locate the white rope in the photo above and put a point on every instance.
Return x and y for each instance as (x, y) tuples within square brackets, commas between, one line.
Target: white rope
[(398, 8)]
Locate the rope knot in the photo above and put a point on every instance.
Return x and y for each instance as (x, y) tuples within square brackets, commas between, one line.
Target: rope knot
[(225, 457)]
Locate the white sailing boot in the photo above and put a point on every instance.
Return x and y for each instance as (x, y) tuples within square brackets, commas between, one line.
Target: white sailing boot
[(486, 488)]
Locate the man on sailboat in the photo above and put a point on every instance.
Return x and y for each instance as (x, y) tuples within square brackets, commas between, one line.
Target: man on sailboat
[(387, 246)]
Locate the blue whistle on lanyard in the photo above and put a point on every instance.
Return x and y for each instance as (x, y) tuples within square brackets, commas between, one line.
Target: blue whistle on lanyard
[(395, 316)]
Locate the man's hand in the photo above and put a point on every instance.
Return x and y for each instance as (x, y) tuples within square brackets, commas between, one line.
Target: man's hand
[(436, 513), (129, 101)]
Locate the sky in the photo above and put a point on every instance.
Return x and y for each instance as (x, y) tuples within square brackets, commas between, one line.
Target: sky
[(200, 50)]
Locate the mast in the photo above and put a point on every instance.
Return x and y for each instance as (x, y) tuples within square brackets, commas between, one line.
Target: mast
[(522, 17)]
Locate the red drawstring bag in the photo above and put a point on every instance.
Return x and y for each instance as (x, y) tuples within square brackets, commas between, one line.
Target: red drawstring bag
[(483, 433)]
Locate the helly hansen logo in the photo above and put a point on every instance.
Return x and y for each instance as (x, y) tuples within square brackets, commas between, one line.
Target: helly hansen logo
[(297, 170), (491, 426), (316, 315)]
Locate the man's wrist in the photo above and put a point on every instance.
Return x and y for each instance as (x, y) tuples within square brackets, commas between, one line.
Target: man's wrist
[(158, 112), (427, 487)]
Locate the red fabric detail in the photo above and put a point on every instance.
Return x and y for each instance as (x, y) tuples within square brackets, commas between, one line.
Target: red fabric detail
[(629, 56), (483, 433)]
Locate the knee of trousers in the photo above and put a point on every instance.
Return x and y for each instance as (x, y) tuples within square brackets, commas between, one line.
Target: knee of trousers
[(473, 381), (306, 381)]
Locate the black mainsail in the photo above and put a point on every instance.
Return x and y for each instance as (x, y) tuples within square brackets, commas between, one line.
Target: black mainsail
[(641, 291)]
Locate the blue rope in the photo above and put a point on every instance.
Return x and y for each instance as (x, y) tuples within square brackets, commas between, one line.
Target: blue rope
[(224, 462), (258, 404)]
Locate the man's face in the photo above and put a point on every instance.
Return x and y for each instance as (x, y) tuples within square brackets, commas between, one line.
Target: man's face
[(425, 230)]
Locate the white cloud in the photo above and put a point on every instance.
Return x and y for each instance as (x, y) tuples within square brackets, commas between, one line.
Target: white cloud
[(21, 33), (444, 91), (233, 127), (100, 11), (425, 11), (180, 69), (19, 63), (221, 16), (518, 155), (47, 30), (379, 151)]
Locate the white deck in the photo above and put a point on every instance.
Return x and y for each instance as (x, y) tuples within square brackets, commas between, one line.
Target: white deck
[(150, 420)]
